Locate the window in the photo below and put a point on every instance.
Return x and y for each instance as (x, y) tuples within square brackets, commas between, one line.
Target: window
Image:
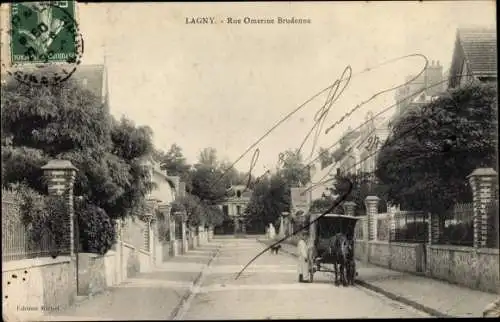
[(225, 210), (238, 209), (238, 194)]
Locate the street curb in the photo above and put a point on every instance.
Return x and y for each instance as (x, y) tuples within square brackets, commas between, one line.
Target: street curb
[(387, 294), (403, 300), (187, 295)]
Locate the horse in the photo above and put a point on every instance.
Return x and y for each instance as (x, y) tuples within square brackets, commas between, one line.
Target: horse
[(341, 251)]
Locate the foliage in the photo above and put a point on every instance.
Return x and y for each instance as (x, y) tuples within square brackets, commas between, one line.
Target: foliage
[(191, 205), (174, 163), (325, 157), (233, 176), (54, 118), (214, 215), (293, 169), (207, 184), (363, 185), (96, 230), (208, 158), (271, 197), (321, 205), (344, 144), (432, 150), (163, 226), (44, 216), (69, 122)]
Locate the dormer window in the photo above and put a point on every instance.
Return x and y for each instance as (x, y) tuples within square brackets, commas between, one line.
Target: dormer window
[(238, 193)]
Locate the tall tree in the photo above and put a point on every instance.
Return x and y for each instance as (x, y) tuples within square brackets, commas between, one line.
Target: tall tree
[(431, 150), (175, 164), (293, 169), (271, 196), (69, 122), (363, 185), (208, 158)]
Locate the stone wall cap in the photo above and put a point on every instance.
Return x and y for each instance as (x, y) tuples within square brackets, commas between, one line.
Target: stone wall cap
[(349, 203), (483, 172), (372, 198), (59, 165)]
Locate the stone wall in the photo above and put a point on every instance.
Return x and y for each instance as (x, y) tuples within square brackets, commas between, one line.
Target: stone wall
[(466, 266), (476, 269), (39, 284), (407, 257)]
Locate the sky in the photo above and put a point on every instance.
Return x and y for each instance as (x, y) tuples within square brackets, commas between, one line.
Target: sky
[(225, 85)]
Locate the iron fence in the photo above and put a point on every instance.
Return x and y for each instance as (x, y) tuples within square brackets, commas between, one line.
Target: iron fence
[(18, 240), (410, 227), (383, 227), (493, 218), (457, 226), (358, 229)]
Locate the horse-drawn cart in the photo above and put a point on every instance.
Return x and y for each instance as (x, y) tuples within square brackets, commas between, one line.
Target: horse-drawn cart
[(331, 241)]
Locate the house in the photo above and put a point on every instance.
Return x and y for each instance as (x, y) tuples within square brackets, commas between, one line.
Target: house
[(361, 154), (234, 208), (430, 83), (474, 56)]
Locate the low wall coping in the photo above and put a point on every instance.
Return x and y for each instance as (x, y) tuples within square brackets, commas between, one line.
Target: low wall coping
[(401, 244), (379, 242), (144, 252), (34, 262), (94, 255), (466, 249)]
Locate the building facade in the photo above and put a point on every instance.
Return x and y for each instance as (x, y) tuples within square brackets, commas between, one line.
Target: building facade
[(430, 83), (234, 209), (474, 57)]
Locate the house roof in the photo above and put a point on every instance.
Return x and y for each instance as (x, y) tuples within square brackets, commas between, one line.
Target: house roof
[(479, 47), (92, 77)]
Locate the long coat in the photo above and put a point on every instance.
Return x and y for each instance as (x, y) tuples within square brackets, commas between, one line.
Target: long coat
[(302, 264)]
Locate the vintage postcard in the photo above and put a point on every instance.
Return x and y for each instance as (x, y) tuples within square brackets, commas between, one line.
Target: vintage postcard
[(249, 160)]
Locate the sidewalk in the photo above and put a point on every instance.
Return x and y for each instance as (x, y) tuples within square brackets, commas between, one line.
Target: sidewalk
[(157, 295), (435, 297)]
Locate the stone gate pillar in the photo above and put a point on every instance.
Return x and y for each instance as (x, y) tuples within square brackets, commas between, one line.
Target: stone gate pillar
[(349, 208), (483, 184), (173, 234), (371, 204), (60, 175)]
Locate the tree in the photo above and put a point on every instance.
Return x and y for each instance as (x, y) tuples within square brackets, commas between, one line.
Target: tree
[(66, 121), (271, 197), (193, 208), (325, 157), (232, 176), (293, 169), (208, 157), (430, 151), (208, 184), (321, 205), (363, 185), (174, 163)]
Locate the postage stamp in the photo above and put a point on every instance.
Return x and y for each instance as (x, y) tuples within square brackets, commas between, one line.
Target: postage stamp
[(43, 34)]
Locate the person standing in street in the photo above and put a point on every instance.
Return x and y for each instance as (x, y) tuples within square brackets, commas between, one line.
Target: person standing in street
[(302, 251)]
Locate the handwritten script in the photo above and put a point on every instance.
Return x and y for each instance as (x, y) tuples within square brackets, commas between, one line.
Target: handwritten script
[(334, 92)]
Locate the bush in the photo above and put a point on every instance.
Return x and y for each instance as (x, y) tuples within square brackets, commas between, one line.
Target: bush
[(163, 227), (96, 230)]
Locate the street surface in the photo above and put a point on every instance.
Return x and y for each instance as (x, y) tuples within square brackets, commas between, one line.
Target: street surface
[(269, 289)]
